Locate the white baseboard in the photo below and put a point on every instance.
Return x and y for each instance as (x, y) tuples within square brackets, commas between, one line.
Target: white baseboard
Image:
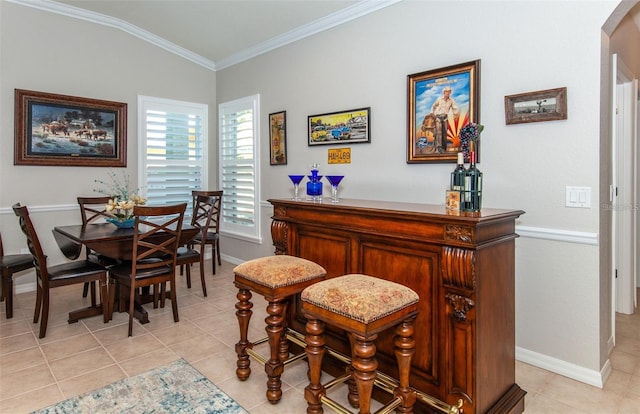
[(564, 368)]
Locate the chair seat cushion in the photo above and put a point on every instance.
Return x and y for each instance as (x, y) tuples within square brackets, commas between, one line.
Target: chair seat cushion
[(16, 262), (123, 271), (210, 237), (74, 270), (360, 297), (186, 255), (278, 271)]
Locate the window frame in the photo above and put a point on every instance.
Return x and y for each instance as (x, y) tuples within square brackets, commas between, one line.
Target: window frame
[(171, 105), (252, 233)]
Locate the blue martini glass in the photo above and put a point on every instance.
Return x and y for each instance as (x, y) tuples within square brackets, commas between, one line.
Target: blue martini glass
[(334, 180), (296, 179)]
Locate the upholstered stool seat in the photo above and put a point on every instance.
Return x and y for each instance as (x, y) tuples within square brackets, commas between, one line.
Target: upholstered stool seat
[(363, 306), (277, 278)]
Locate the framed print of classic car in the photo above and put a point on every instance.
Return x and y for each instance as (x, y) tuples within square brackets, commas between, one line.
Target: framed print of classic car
[(546, 105), (344, 127), (53, 129), (278, 138), (439, 103)]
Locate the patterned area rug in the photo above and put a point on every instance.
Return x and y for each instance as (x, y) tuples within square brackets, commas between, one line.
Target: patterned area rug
[(175, 388)]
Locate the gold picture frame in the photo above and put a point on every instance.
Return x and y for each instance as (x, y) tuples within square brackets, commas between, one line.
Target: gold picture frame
[(61, 130), (278, 138), (439, 103)]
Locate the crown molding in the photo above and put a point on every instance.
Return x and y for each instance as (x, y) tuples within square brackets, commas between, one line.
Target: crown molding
[(82, 14), (348, 14), (330, 21)]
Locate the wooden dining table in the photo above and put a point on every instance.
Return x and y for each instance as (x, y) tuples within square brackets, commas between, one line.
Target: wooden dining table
[(109, 241)]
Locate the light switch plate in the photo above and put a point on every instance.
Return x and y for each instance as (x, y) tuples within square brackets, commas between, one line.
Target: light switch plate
[(578, 197)]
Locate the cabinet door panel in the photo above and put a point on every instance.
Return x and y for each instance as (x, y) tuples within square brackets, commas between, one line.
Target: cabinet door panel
[(415, 266), (329, 250)]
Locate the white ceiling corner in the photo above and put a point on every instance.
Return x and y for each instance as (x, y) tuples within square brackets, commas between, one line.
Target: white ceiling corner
[(323, 18)]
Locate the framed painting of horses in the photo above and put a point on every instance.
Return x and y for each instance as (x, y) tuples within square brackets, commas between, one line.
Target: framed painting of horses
[(53, 129), (440, 102)]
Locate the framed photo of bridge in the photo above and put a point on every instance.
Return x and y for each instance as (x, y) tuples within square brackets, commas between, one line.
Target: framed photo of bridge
[(53, 129)]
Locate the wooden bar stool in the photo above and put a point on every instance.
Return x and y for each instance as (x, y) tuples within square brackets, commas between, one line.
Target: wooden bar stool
[(363, 306), (277, 278)]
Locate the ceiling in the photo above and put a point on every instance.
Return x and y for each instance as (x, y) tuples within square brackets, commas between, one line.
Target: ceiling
[(220, 33), (215, 33)]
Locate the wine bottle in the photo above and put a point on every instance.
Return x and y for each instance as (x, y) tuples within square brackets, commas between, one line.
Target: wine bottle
[(473, 185), (457, 175)]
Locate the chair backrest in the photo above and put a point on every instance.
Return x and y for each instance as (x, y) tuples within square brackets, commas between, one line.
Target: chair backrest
[(92, 208), (156, 236), (205, 208), (201, 217), (33, 243)]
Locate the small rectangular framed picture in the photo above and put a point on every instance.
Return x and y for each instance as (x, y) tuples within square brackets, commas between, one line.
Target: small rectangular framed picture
[(452, 201), (539, 106), (343, 127), (278, 138)]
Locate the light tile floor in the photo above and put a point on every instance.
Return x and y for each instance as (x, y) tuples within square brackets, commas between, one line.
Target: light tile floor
[(76, 358)]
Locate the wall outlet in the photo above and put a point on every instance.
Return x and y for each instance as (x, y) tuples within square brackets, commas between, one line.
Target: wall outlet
[(578, 197)]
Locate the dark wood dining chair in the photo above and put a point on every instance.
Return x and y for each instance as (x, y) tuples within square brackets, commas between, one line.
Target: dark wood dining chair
[(10, 264), (49, 277), (155, 243), (92, 209), (204, 208), (212, 226)]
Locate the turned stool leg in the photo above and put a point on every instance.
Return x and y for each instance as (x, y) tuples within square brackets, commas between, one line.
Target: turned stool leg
[(315, 350), (284, 342), (364, 365), (405, 347), (243, 313), (352, 387), (274, 366)]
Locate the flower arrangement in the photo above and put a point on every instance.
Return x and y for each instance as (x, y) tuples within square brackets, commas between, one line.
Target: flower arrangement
[(469, 136), (123, 199)]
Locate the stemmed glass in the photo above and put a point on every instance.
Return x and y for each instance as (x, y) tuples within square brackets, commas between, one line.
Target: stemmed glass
[(296, 179), (334, 180)]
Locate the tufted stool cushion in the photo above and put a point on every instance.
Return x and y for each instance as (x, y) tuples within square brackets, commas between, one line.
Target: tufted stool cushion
[(360, 297), (277, 278), (363, 306), (278, 271)]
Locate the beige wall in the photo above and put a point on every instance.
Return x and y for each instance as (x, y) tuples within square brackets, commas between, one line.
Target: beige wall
[(625, 41), (48, 52), (524, 46)]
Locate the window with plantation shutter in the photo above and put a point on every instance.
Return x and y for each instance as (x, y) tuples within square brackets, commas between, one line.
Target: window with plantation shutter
[(172, 150), (239, 167)]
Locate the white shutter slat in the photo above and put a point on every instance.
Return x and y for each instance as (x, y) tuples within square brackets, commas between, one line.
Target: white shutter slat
[(239, 138), (173, 154)]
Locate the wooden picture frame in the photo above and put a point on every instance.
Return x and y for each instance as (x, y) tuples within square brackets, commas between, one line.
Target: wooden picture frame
[(539, 106), (343, 127), (61, 130), (278, 138), (434, 119)]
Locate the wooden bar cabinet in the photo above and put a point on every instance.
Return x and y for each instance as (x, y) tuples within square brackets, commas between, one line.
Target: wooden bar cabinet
[(461, 264)]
